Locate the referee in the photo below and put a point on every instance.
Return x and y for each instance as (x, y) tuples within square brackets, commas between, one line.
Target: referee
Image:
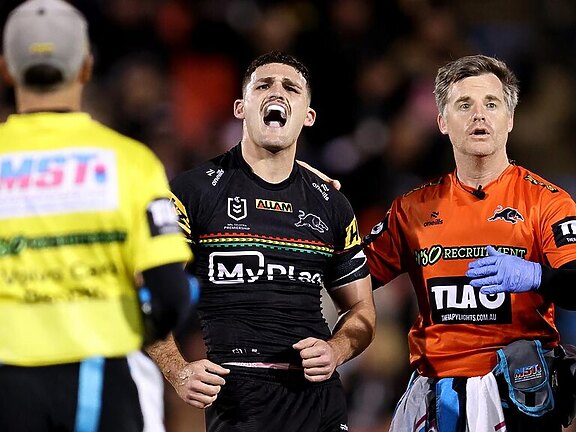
[(83, 209)]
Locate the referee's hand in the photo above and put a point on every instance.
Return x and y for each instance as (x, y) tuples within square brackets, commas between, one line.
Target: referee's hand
[(198, 383), (318, 359)]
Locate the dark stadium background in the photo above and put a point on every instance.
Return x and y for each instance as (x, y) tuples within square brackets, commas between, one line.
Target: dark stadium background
[(168, 71)]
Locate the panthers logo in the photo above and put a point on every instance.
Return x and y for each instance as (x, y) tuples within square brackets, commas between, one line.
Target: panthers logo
[(507, 214)]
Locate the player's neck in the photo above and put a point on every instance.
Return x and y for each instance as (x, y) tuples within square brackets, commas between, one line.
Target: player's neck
[(272, 167), (65, 99), (479, 171)]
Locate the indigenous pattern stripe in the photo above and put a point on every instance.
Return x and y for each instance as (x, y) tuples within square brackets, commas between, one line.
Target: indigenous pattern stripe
[(243, 240)]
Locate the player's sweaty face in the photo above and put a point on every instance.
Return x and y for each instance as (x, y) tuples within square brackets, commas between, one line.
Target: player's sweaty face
[(276, 105), (476, 117)]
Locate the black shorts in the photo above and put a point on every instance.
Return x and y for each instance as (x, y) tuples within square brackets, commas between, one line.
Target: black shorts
[(98, 396), (277, 400)]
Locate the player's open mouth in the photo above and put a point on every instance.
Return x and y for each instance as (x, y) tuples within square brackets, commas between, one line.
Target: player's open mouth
[(275, 116)]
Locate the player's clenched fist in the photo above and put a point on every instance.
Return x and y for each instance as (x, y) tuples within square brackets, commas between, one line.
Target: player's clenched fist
[(198, 383), (318, 359)]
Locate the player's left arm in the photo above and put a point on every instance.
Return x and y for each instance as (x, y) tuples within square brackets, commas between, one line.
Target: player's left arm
[(352, 334), (356, 324)]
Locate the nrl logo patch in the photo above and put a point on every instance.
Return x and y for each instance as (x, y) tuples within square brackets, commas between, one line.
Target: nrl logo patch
[(237, 208)]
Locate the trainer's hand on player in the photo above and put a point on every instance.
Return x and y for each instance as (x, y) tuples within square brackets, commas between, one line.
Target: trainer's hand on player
[(332, 182), (318, 359), (199, 382)]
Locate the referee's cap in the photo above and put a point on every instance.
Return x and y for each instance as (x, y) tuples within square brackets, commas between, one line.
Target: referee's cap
[(45, 32)]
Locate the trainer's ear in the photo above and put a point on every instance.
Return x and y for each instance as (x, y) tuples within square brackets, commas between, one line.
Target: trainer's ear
[(4, 72)]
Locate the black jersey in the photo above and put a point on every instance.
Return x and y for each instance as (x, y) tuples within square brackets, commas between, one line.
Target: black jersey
[(263, 252)]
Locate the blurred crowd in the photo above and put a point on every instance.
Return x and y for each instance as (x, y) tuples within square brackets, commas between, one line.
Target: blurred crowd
[(167, 73)]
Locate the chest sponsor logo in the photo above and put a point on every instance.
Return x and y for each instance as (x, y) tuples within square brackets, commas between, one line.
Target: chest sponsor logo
[(507, 214), (312, 221), (454, 301), (565, 231), (57, 182), (435, 253), (279, 206), (251, 266), (237, 208)]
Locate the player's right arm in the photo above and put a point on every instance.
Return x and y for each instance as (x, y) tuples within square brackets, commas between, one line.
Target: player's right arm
[(197, 383)]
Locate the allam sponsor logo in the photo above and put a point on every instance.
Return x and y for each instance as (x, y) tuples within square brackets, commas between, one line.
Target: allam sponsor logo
[(435, 253), (278, 206)]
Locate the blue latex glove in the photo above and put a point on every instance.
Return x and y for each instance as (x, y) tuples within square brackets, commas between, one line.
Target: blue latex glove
[(499, 272)]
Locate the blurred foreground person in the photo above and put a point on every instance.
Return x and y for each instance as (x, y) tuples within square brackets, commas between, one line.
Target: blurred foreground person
[(83, 209)]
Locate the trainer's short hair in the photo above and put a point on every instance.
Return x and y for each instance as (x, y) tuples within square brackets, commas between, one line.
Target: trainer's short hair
[(475, 65)]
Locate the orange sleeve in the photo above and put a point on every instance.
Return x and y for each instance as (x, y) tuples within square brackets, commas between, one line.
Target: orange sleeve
[(383, 249)]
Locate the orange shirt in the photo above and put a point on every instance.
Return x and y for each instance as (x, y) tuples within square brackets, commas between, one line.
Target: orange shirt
[(434, 231)]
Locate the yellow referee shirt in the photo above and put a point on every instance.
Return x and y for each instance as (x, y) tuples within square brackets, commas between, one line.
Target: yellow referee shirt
[(82, 209)]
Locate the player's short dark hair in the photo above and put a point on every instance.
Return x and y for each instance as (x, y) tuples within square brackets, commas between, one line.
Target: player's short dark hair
[(475, 65), (277, 57)]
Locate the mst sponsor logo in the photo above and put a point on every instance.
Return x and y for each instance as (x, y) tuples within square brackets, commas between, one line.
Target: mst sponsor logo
[(279, 206), (57, 181), (251, 266), (565, 231), (528, 373), (454, 301), (433, 254)]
